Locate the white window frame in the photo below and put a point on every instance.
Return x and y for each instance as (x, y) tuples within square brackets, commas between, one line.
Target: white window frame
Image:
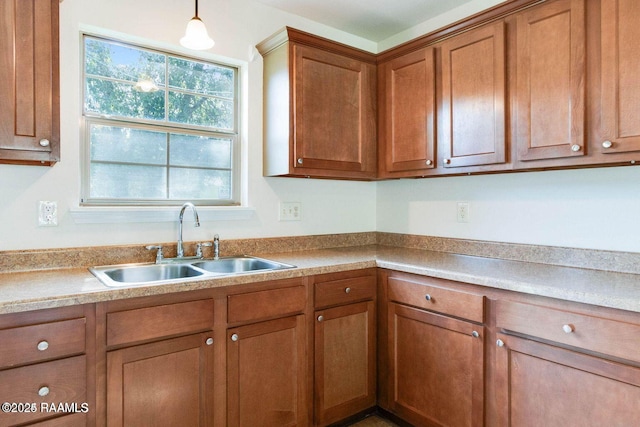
[(88, 118)]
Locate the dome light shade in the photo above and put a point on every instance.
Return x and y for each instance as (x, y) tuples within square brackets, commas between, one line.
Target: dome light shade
[(196, 36)]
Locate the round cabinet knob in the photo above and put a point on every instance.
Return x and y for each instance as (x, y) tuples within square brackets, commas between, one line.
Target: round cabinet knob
[(209, 341), (320, 318), (300, 160), (43, 391), (607, 144), (235, 337), (44, 142), (429, 162), (447, 161), (427, 297), (500, 343), (567, 328), (347, 290), (475, 334), (43, 345), (575, 148)]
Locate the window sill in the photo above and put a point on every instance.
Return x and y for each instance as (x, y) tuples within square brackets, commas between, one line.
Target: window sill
[(105, 215)]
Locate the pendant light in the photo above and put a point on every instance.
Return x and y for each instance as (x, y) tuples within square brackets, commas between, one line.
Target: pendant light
[(196, 36)]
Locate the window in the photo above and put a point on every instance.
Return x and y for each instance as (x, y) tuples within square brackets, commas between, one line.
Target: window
[(160, 129)]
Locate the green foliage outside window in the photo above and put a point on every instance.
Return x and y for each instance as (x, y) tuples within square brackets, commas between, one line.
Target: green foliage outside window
[(160, 128)]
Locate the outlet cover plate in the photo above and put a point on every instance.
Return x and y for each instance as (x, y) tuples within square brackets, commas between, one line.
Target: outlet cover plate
[(47, 214)]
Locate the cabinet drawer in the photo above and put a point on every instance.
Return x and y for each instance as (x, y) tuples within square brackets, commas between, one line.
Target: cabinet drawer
[(63, 380), (435, 298), (591, 333), (161, 321), (344, 291), (266, 304), (45, 341)]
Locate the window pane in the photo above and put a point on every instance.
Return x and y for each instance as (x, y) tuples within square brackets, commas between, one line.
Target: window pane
[(200, 111), (201, 77), (108, 59), (114, 181), (197, 184), (192, 150), (126, 145), (159, 127), (120, 99)]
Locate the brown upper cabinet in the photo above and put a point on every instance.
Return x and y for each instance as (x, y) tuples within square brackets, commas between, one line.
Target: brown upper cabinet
[(550, 94), (407, 112), (620, 68), (524, 85), (319, 108), (29, 82), (473, 116)]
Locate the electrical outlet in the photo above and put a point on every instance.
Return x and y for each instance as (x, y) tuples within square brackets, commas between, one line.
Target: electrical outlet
[(47, 214), (463, 212), (290, 211)]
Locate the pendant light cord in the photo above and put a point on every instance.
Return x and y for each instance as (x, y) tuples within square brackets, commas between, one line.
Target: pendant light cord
[(196, 8)]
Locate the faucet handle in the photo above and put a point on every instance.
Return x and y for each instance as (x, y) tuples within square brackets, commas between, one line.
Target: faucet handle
[(159, 254), (199, 248), (216, 247)]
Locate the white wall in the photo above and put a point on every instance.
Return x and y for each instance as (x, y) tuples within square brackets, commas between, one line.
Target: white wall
[(585, 208), (236, 26), (591, 208)]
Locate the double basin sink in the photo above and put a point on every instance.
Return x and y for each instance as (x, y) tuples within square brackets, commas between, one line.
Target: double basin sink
[(180, 271)]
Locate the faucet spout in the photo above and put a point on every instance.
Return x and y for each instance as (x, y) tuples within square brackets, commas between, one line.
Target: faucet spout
[(180, 248)]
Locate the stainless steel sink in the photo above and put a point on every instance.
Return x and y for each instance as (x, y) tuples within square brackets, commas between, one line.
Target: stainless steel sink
[(239, 264), (144, 274), (121, 275)]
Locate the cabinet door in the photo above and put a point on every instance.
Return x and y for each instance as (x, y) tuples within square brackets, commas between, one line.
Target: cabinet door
[(166, 383), (334, 113), (551, 81), (267, 374), (29, 82), (345, 362), (620, 70), (407, 139), (543, 385), (436, 368), (473, 98)]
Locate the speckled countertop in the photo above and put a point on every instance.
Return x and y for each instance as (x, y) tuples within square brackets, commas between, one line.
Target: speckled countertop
[(24, 291)]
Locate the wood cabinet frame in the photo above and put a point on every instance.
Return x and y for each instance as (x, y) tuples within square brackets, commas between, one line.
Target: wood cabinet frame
[(30, 82)]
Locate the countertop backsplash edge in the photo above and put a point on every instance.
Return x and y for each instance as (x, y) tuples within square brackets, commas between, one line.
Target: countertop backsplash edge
[(49, 259)]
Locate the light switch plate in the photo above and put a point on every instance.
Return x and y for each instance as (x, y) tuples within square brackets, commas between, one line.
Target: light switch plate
[(290, 211)]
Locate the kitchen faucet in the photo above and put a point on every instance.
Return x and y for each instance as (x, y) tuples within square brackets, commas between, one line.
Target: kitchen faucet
[(180, 248)]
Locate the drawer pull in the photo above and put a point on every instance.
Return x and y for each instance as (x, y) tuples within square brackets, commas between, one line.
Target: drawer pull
[(427, 297), (475, 334), (209, 341), (347, 290), (320, 318), (235, 337), (43, 391), (500, 343), (567, 328), (43, 345)]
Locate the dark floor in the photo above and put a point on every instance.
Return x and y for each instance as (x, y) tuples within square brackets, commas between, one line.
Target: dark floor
[(374, 421)]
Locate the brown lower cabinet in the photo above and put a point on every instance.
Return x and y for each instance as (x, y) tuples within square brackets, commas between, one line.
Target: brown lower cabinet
[(545, 385), (267, 360), (436, 368), (302, 351), (46, 362), (267, 374), (344, 345), (165, 383)]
